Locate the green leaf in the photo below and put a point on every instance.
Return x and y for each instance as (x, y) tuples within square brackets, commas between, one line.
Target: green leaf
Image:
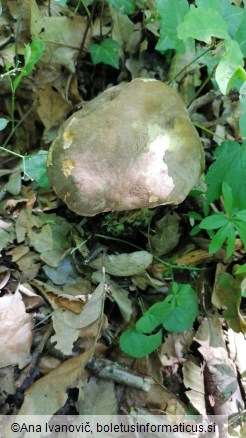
[(230, 166), (137, 344), (176, 313), (219, 238), (124, 6), (203, 24), (241, 215), (241, 269), (241, 229), (35, 168), (242, 120), (32, 54), (194, 215), (214, 221), (195, 230), (207, 4), (106, 52), (241, 34), (152, 318), (230, 62), (180, 314), (13, 185), (228, 199), (3, 123), (171, 15), (231, 240), (231, 14)]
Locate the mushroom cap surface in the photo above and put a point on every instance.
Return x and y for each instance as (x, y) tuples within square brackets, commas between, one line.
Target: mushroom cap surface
[(133, 146)]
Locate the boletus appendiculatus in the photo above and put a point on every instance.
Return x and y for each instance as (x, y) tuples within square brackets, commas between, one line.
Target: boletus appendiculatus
[(131, 147)]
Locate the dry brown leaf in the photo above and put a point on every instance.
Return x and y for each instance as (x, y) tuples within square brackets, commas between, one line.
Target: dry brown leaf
[(52, 108), (68, 325), (15, 331), (194, 380), (166, 235), (48, 363), (97, 398), (175, 347), (48, 394), (4, 276), (220, 371), (158, 399), (60, 300), (124, 265), (62, 36), (237, 348)]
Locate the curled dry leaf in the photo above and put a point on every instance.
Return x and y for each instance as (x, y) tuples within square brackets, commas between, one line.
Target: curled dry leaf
[(68, 326), (59, 300), (220, 372)]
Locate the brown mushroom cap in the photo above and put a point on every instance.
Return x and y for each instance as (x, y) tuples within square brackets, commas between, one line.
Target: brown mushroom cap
[(133, 146)]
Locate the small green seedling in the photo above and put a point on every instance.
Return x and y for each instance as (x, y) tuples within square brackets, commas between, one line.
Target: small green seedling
[(176, 313), (228, 224)]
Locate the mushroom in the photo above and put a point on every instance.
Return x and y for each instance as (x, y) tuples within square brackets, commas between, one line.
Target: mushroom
[(133, 146)]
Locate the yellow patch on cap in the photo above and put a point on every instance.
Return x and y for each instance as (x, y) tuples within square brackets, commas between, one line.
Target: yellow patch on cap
[(67, 166), (153, 198)]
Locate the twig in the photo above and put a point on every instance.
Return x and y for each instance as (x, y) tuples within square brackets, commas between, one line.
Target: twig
[(27, 372), (203, 100), (108, 370), (17, 32), (100, 319), (17, 125), (89, 21)]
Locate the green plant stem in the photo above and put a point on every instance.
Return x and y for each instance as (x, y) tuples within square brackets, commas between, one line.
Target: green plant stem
[(86, 9), (188, 65), (89, 21), (13, 131), (12, 103), (11, 152), (101, 19), (207, 130), (201, 87), (169, 265)]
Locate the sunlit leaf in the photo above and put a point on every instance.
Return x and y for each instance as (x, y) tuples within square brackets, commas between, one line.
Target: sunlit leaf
[(202, 25)]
